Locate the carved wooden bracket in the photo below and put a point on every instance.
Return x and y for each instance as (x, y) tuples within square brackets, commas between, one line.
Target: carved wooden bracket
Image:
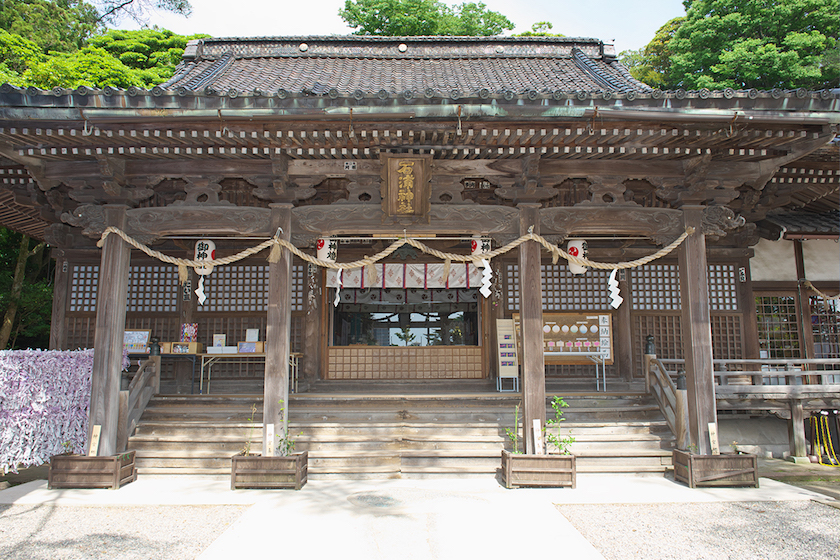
[(364, 189), (607, 191), (527, 187), (202, 191), (448, 189), (717, 220)]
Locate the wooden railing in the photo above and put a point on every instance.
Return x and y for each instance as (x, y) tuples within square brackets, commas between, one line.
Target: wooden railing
[(672, 401), (788, 388), (133, 402)]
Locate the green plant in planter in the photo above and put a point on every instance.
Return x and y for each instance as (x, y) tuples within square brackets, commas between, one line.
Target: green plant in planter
[(285, 443), (513, 434), (557, 440), (246, 449)]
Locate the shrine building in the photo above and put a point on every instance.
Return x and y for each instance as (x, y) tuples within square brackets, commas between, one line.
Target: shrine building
[(707, 222)]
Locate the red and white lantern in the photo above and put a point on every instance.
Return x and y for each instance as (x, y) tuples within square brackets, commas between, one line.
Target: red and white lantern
[(577, 248), (205, 251), (327, 248)]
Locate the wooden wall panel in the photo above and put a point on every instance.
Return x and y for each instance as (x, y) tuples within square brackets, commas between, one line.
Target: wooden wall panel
[(413, 362)]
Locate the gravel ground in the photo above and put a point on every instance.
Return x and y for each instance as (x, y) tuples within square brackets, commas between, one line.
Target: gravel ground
[(711, 531), (29, 532)]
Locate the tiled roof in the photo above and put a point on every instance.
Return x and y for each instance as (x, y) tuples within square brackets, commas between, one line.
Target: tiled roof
[(805, 223), (405, 66)]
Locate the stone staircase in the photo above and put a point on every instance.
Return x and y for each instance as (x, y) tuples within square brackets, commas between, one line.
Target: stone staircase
[(375, 436)]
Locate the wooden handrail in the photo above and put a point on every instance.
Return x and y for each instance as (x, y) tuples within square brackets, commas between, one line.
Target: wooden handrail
[(671, 400), (133, 402)]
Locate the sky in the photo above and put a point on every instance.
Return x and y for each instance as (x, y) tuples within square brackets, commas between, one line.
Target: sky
[(630, 24)]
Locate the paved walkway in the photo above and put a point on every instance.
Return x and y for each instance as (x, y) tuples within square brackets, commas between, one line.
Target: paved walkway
[(406, 519)]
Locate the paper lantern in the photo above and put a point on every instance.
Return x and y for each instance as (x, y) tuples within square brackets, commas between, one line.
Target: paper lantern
[(327, 249), (577, 248), (479, 245), (205, 251)]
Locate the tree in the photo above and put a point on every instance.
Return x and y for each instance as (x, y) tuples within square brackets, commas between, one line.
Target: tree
[(540, 29), (25, 292), (754, 44), (53, 25), (112, 11), (422, 17)]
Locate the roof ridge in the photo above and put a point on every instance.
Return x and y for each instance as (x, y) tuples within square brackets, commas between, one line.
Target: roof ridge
[(591, 69)]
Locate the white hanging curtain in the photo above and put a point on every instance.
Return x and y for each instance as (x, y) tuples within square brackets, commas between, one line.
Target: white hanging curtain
[(423, 276)]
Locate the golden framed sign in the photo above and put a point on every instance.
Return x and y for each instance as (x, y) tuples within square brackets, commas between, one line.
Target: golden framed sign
[(405, 186)]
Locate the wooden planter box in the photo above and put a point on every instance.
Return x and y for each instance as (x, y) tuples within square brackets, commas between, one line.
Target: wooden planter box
[(538, 470), (256, 471), (715, 470), (82, 471)]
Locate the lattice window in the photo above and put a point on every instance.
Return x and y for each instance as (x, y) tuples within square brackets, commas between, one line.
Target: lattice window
[(778, 332), (656, 287), (236, 288), (666, 335), (83, 284), (564, 291), (825, 325), (512, 286), (723, 293), (726, 337), (245, 288), (152, 289), (298, 285)]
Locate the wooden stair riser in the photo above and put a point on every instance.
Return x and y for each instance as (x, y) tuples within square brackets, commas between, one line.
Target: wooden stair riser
[(423, 436)]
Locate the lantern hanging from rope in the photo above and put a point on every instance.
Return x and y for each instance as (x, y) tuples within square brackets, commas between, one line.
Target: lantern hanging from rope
[(205, 251), (577, 248), (327, 249)]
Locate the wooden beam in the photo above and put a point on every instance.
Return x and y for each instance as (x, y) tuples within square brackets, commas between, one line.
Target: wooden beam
[(697, 331), (277, 331), (108, 337), (531, 323)]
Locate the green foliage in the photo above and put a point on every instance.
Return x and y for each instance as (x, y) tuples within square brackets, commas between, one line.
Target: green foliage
[(89, 67), (31, 328), (144, 48), (754, 44), (53, 25), (652, 64), (285, 443), (422, 17), (560, 443), (513, 433), (540, 29), (16, 52)]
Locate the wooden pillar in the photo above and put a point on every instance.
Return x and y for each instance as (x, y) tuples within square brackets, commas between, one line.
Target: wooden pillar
[(58, 322), (697, 332), (746, 298), (623, 328), (531, 324), (806, 340), (797, 430), (277, 331), (312, 332), (184, 370), (108, 337)]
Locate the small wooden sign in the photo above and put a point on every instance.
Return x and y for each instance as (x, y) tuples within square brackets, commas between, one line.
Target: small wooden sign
[(95, 434), (713, 438), (269, 437), (539, 446), (405, 191)]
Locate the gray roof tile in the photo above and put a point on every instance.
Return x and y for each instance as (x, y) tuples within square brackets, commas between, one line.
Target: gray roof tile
[(401, 64)]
